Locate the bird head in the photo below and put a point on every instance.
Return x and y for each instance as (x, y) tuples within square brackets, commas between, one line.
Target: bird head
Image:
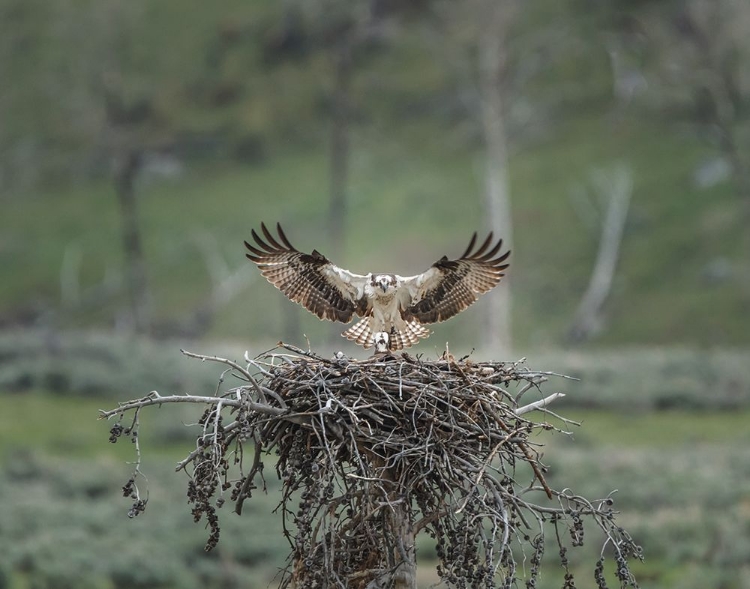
[(384, 281)]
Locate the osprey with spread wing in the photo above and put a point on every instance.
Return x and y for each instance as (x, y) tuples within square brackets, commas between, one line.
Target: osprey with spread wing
[(393, 308)]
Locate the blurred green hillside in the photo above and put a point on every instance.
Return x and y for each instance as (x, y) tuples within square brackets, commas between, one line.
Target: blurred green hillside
[(232, 111)]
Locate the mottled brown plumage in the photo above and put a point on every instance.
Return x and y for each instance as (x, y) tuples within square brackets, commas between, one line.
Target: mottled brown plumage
[(462, 283), (299, 277), (389, 304)]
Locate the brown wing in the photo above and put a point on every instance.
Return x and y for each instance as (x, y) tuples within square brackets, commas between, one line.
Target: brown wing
[(311, 280), (450, 286)]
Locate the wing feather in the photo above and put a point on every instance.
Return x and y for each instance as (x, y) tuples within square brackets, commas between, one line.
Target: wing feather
[(450, 286), (311, 280)]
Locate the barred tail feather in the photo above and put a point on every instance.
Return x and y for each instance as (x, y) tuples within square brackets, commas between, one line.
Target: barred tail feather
[(361, 333), (408, 335)]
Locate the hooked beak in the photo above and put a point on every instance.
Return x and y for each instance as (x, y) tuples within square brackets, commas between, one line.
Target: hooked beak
[(384, 286)]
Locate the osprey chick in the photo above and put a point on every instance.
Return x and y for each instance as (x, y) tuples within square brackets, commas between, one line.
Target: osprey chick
[(398, 306)]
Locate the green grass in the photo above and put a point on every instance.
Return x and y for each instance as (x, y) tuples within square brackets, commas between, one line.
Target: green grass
[(69, 427), (52, 424), (662, 429)]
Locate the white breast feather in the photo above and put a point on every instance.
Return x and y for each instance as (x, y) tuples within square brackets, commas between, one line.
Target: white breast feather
[(347, 282), (419, 284)]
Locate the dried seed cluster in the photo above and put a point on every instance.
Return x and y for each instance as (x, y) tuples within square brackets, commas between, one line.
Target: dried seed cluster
[(210, 473), (130, 489)]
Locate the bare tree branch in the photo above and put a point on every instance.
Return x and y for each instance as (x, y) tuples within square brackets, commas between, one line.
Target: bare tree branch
[(126, 167), (541, 403)]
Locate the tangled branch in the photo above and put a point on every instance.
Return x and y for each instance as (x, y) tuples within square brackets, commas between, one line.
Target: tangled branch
[(371, 453)]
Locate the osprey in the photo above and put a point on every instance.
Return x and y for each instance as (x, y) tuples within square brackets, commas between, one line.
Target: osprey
[(394, 309)]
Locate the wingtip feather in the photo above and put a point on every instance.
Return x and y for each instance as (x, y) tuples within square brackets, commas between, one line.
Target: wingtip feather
[(471, 245), (269, 236), (256, 252), (259, 242), (483, 247), (283, 237)]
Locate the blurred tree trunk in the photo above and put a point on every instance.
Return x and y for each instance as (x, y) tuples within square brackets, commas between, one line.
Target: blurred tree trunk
[(339, 159), (707, 47), (404, 574), (398, 525), (616, 187), (726, 120), (494, 17), (126, 167), (339, 163), (125, 116), (717, 92)]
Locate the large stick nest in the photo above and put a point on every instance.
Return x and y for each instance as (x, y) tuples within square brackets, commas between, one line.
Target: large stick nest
[(371, 453)]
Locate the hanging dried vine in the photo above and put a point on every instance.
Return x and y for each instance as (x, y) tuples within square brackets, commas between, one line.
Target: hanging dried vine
[(371, 453)]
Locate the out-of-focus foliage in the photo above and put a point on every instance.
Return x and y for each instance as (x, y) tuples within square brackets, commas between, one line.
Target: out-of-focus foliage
[(652, 378), (62, 524), (95, 364), (232, 107), (63, 527), (685, 503), (111, 366)]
